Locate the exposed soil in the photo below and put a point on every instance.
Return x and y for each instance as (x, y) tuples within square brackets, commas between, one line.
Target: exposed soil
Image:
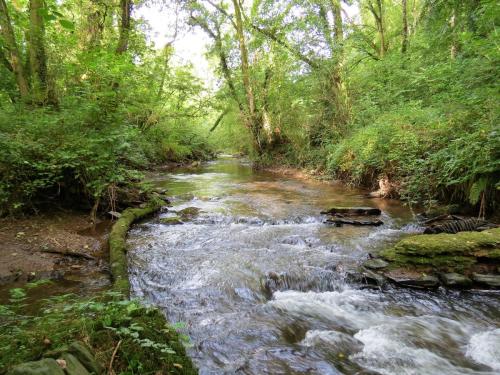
[(52, 245)]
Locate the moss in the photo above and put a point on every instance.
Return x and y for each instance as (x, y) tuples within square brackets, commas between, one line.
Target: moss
[(446, 250), (117, 243)]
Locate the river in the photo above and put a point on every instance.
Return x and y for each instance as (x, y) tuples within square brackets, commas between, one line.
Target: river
[(209, 273)]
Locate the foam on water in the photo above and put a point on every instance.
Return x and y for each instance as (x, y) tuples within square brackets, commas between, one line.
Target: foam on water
[(484, 348)]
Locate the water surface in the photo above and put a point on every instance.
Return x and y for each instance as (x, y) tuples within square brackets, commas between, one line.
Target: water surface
[(210, 272)]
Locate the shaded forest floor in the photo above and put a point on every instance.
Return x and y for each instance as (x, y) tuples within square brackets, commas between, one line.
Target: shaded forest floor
[(51, 245)]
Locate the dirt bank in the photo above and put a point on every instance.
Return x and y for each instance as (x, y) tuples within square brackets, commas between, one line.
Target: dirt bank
[(57, 244)]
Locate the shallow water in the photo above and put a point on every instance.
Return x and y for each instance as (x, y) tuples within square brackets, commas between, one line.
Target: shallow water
[(209, 273)]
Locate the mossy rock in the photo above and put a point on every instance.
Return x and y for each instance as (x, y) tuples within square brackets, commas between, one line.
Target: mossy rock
[(83, 354), (446, 250), (189, 213), (47, 366), (73, 366), (171, 221)]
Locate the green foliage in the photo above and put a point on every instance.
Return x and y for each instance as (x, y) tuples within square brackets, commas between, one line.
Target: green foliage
[(426, 119), (147, 344), (116, 113)]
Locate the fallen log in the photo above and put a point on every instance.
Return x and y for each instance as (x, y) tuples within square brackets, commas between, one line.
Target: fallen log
[(75, 254), (352, 211), (340, 222), (117, 242)]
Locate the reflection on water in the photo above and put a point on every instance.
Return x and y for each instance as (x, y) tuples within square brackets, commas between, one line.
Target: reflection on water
[(209, 273)]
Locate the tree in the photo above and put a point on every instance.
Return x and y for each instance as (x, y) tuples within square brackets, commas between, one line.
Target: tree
[(13, 54), (124, 30), (404, 44), (42, 86)]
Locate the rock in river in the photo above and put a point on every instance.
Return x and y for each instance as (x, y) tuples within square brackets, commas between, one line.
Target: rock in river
[(493, 281), (375, 264), (455, 280)]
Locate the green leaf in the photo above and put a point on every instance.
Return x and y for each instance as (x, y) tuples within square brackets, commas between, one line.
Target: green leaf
[(67, 24)]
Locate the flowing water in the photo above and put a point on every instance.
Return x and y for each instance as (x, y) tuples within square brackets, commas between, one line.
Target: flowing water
[(210, 274)]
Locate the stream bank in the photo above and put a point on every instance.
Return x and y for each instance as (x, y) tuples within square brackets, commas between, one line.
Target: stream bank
[(43, 320)]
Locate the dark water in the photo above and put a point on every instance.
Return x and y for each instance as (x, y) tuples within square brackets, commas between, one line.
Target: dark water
[(209, 274)]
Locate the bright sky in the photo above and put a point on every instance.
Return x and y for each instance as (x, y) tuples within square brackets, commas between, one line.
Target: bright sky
[(191, 45)]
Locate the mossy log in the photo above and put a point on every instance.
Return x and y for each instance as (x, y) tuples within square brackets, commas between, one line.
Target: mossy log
[(117, 243)]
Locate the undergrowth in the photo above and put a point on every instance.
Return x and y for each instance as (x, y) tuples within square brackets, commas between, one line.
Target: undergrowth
[(145, 343)]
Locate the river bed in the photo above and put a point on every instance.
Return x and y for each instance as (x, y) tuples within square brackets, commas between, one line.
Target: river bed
[(209, 273)]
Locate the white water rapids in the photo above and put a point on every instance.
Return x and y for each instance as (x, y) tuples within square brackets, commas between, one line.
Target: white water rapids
[(209, 273)]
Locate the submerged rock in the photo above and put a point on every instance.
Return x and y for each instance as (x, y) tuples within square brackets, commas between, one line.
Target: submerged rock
[(189, 213), (171, 221)]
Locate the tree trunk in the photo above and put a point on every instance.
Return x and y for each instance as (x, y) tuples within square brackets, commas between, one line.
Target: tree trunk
[(339, 90), (454, 44), (378, 15), (404, 46), (126, 10), (381, 28), (252, 120), (13, 54), (42, 88), (96, 18)]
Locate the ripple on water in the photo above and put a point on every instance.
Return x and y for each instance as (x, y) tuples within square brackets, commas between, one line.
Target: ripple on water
[(208, 273)]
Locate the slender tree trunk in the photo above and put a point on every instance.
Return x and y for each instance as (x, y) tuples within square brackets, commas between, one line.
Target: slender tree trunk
[(42, 87), (245, 71), (404, 46), (378, 15), (126, 10), (266, 119), (13, 54), (96, 18), (454, 44), (339, 90), (381, 29)]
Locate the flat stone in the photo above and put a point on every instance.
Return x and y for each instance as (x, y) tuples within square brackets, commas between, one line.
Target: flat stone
[(375, 264), (370, 277), (47, 366), (455, 280), (368, 211), (83, 354), (492, 281), (73, 366), (412, 279)]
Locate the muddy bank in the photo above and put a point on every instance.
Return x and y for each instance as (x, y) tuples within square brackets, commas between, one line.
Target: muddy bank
[(53, 245)]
